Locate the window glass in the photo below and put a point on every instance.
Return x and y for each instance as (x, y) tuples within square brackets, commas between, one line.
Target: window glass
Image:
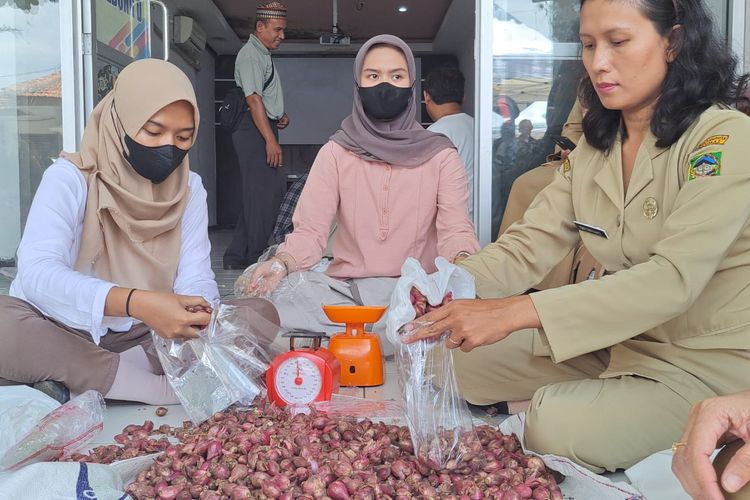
[(30, 109), (535, 73)]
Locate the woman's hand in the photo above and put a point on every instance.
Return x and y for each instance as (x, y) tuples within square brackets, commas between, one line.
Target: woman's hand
[(475, 323), (170, 315), (713, 423)]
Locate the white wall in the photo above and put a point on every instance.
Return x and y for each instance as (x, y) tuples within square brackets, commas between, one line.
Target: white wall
[(456, 36), (747, 39)]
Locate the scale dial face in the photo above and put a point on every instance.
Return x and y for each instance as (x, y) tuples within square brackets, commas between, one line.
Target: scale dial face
[(298, 380)]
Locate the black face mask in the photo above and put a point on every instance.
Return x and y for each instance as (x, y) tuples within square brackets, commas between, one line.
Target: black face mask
[(384, 101), (155, 163)]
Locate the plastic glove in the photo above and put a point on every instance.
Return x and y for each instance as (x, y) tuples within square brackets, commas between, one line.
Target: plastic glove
[(260, 280)]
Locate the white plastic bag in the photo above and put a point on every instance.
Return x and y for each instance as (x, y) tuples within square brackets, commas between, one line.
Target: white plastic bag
[(437, 415), (64, 431), (225, 365)]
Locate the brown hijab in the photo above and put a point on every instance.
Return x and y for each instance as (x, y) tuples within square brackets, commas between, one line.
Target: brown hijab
[(132, 227), (401, 141)]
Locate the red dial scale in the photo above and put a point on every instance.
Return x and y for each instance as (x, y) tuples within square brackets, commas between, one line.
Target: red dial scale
[(303, 375)]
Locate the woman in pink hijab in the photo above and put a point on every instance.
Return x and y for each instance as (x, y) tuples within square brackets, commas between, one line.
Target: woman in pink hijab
[(394, 189)]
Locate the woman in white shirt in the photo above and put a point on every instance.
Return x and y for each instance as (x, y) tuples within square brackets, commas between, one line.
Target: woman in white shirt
[(115, 245)]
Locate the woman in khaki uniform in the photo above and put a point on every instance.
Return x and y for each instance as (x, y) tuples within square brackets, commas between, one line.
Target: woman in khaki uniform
[(657, 190)]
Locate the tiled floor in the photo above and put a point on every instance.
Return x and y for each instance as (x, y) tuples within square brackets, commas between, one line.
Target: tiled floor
[(220, 239)]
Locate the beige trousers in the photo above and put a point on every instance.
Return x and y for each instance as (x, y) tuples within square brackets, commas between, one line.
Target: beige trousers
[(36, 348), (720, 463), (601, 424)]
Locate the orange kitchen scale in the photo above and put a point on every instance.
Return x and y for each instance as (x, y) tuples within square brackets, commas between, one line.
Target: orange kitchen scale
[(358, 351)]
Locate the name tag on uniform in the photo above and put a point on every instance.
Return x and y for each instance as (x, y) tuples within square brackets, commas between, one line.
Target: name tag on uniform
[(591, 229)]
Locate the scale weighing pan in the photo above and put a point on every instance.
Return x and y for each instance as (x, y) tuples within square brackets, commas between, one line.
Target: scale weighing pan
[(358, 351)]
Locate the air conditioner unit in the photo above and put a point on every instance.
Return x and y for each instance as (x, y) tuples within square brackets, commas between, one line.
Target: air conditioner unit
[(189, 38)]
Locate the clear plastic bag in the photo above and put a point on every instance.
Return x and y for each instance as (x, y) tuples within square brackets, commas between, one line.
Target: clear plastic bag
[(225, 365), (61, 433), (437, 415), (21, 408), (263, 287)]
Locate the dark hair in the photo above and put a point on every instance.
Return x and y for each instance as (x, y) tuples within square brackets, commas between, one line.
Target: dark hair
[(701, 75), (743, 101), (445, 84)]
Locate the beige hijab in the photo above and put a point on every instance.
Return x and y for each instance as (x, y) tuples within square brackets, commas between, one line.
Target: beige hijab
[(132, 227)]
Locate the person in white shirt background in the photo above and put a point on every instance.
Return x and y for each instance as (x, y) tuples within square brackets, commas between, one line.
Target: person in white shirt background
[(115, 245), (443, 90)]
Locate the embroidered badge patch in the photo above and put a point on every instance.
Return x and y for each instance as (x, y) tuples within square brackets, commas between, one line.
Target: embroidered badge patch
[(714, 140), (705, 165), (566, 166)]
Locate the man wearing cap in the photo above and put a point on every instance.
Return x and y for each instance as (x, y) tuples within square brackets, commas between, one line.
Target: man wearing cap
[(256, 138)]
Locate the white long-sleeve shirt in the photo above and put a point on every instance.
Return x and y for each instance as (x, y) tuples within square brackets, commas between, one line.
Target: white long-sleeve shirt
[(52, 239)]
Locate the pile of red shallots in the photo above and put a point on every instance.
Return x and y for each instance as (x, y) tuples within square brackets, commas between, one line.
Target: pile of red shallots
[(266, 452), (421, 306)]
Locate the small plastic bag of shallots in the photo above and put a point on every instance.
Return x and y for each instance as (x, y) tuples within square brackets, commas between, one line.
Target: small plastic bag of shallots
[(62, 432), (224, 365), (437, 415)]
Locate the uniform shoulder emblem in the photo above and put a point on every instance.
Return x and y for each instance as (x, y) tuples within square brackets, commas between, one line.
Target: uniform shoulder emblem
[(706, 164), (566, 166), (714, 140)]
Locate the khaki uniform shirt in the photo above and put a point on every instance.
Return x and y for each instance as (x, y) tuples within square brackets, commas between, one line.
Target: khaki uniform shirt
[(678, 250), (252, 69)]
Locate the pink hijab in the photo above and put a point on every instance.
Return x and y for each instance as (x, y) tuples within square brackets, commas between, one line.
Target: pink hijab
[(401, 141)]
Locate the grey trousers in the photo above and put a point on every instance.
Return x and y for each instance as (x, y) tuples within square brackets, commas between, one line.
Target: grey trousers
[(262, 190), (300, 297)]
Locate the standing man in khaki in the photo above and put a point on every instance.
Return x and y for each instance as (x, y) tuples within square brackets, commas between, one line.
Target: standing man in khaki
[(256, 138)]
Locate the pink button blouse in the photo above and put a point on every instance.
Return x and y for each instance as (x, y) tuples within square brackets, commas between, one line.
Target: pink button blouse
[(385, 213)]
